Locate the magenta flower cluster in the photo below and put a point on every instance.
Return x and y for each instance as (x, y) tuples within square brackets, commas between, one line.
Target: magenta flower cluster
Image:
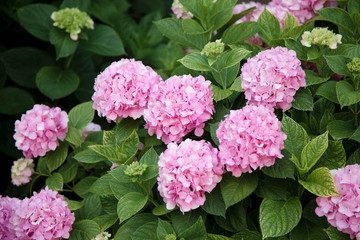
[(250, 138), (44, 216), (343, 211), (177, 106), (186, 172), (39, 129), (123, 88), (272, 78)]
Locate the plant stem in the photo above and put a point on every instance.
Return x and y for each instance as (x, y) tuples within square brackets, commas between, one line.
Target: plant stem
[(68, 61)]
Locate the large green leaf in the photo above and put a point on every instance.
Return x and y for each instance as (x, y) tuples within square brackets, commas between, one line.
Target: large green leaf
[(346, 94), (303, 100), (307, 230), (320, 182), (283, 167), (313, 78), (55, 182), (103, 40), (69, 170), (81, 115), (230, 58), (130, 204), (56, 83), (90, 156), (22, 64), (233, 190), (269, 26), (35, 18), (84, 230), (339, 129), (196, 232), (73, 136), (146, 231), (196, 61), (278, 218), (328, 91), (102, 185), (163, 229), (55, 159), (191, 26), (338, 16), (335, 234), (125, 231), (240, 32), (105, 221), (220, 94), (83, 186), (334, 157), (337, 63), (14, 100), (91, 208), (214, 203), (64, 45)]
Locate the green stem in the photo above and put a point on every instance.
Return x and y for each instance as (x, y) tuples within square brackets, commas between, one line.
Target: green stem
[(68, 61), (151, 199)]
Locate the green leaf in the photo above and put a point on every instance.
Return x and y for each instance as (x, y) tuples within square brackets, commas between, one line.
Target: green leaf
[(236, 86), (196, 232), (283, 167), (81, 115), (82, 5), (328, 91), (230, 58), (303, 100), (102, 185), (119, 189), (196, 61), (130, 147), (164, 228), (172, 28), (290, 23), (247, 235), (183, 221), (191, 26), (103, 40), (161, 210), (320, 182), (56, 83), (105, 221), (14, 100), (334, 157), (91, 208), (146, 231), (307, 230), (356, 135), (297, 137), (313, 78), (220, 94), (55, 159), (301, 51), (214, 203), (353, 7), (233, 190), (128, 228), (221, 12), (73, 136), (64, 45), (211, 236), (270, 26), (109, 152), (240, 32), (226, 76), (354, 157), (84, 230), (130, 204), (346, 94), (83, 186), (119, 174), (339, 129), (337, 64), (312, 152), (22, 64), (35, 18), (273, 188), (335, 234), (338, 16), (55, 182), (278, 218), (69, 170), (90, 156), (74, 205)]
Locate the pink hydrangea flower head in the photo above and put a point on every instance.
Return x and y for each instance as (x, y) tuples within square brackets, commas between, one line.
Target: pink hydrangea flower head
[(178, 106), (122, 89), (91, 127), (39, 129), (343, 211), (250, 138), (7, 209), (186, 172), (179, 10), (272, 78), (21, 171), (44, 216)]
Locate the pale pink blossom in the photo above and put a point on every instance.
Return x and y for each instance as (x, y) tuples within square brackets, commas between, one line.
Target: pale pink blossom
[(7, 209), (21, 171), (91, 127), (343, 211), (179, 10), (122, 89), (39, 129), (186, 172), (250, 138), (178, 106), (272, 78)]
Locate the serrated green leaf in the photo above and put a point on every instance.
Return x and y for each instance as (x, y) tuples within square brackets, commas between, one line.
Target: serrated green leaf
[(313, 78), (278, 218), (81, 115), (270, 26), (346, 94), (130, 204), (55, 159), (290, 22), (240, 32), (196, 61), (55, 182), (220, 94), (90, 156), (303, 100), (334, 157), (339, 129), (320, 182), (84, 230)]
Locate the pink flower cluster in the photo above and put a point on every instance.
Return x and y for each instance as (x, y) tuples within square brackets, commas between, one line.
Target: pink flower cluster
[(186, 172), (250, 138), (343, 211), (21, 171), (272, 78), (123, 88), (177, 106), (44, 216), (39, 129)]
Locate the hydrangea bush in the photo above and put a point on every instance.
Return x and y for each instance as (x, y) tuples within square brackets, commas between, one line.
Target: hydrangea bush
[(208, 120)]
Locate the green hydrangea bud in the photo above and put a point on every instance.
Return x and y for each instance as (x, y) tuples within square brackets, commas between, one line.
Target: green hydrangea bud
[(170, 237), (135, 169), (72, 20), (354, 65), (322, 37), (212, 49)]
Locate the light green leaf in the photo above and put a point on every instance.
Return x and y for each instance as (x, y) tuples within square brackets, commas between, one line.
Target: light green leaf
[(346, 94), (81, 115), (339, 129), (191, 26), (320, 182), (64, 45), (130, 147), (233, 190), (303, 100), (55, 159), (73, 136), (56, 83), (196, 61), (84, 230), (270, 26), (290, 23), (220, 94), (74, 205), (90, 156), (109, 152), (230, 58), (119, 174), (240, 32), (130, 204), (55, 182), (226, 76), (15, 100), (278, 218), (236, 86)]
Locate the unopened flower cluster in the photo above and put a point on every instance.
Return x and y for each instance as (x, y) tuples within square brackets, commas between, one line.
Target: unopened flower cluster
[(38, 131), (272, 78), (177, 106), (179, 10), (250, 138), (354, 65), (343, 211), (213, 48), (72, 20), (135, 169), (322, 37), (21, 171), (186, 172), (123, 89), (102, 236), (43, 216)]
